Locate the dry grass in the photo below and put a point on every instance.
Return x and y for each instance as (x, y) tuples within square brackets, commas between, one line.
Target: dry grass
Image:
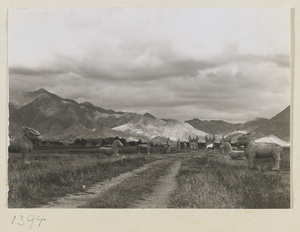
[(210, 181), (206, 180), (54, 175)]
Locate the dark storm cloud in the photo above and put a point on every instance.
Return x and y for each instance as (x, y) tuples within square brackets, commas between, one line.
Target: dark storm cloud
[(223, 95), (37, 71), (282, 60), (122, 71), (224, 91), (146, 72), (176, 67), (174, 84)]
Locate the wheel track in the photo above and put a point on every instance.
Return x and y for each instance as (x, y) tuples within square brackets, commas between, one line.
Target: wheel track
[(80, 199), (160, 196)]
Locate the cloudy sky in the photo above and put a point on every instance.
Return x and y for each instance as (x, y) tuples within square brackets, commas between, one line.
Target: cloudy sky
[(228, 64)]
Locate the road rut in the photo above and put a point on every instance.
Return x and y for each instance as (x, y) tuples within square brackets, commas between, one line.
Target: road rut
[(160, 196)]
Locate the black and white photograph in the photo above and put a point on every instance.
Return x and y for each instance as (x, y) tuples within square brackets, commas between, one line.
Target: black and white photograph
[(142, 108)]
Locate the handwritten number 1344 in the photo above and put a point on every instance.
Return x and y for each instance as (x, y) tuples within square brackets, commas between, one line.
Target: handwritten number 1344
[(21, 220)]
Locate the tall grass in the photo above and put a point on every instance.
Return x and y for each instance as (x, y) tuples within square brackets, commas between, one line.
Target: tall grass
[(50, 176), (210, 182)]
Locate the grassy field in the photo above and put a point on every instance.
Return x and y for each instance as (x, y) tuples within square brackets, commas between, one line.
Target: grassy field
[(52, 174), (205, 179), (208, 180)]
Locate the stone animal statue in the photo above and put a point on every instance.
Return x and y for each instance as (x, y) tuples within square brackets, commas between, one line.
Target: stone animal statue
[(168, 146), (24, 145), (260, 150), (226, 149), (147, 146), (222, 141), (113, 150), (178, 145)]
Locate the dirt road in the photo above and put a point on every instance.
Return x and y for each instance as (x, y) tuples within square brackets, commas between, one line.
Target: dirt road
[(160, 196), (157, 199)]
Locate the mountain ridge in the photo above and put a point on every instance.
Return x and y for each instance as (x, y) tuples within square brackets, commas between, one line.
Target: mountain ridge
[(213, 126), (278, 125), (58, 118)]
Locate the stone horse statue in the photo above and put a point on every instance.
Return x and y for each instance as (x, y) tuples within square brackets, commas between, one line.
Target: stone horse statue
[(24, 145), (113, 150), (147, 146), (260, 150), (226, 149)]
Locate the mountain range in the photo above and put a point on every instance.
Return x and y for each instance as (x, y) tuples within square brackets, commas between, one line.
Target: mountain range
[(279, 125), (65, 119)]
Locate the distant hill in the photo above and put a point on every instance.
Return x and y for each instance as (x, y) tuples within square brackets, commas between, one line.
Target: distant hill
[(47, 112), (149, 115), (253, 124), (279, 125), (213, 126), (171, 128), (58, 118), (65, 119)]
